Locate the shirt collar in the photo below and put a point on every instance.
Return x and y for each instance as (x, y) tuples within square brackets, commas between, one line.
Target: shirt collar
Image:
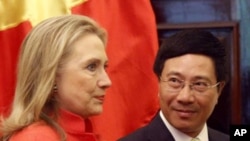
[(180, 136), (73, 123)]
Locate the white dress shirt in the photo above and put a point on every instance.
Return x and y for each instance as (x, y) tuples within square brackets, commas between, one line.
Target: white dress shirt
[(180, 136)]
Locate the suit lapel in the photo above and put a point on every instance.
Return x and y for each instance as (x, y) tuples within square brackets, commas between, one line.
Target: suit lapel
[(157, 130)]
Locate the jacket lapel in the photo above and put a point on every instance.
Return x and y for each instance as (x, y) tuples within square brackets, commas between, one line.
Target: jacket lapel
[(156, 130)]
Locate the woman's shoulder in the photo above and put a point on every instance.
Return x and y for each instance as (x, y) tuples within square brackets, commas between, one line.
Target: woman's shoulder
[(38, 131)]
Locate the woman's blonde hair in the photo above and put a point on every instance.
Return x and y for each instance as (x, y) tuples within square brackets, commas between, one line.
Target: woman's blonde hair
[(43, 51)]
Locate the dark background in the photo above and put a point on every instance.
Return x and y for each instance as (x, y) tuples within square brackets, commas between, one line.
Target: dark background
[(229, 20)]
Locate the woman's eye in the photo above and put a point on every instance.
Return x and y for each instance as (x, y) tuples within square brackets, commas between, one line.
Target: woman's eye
[(105, 66), (92, 67)]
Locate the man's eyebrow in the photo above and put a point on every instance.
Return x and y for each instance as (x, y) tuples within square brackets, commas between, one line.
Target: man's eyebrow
[(202, 78), (199, 77), (173, 73)]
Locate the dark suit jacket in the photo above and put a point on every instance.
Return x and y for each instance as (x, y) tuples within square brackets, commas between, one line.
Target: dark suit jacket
[(157, 131)]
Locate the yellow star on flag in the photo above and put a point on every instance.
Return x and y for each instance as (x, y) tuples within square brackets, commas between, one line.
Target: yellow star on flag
[(13, 12)]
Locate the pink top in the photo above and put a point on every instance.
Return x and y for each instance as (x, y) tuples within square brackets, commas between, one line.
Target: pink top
[(75, 127)]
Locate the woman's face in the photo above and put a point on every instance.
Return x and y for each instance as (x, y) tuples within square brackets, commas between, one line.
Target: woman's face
[(82, 80)]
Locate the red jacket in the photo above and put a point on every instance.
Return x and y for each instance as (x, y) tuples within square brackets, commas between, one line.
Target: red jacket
[(74, 126)]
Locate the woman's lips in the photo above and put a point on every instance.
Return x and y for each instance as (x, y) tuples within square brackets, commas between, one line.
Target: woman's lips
[(100, 98)]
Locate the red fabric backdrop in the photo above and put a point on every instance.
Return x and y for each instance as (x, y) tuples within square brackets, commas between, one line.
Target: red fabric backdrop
[(132, 100), (10, 40)]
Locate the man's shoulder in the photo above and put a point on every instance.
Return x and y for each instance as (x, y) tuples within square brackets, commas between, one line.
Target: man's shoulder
[(154, 131), (215, 135), (138, 134)]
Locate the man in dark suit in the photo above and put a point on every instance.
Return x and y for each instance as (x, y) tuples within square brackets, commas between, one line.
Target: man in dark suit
[(191, 69)]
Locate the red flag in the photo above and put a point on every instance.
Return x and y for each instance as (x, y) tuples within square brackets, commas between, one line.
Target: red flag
[(132, 99), (10, 40)]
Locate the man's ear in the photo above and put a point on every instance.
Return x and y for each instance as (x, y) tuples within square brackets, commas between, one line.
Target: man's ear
[(221, 86)]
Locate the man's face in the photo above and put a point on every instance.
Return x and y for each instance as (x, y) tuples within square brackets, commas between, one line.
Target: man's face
[(186, 107)]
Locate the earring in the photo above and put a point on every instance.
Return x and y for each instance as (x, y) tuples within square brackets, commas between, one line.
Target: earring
[(55, 88)]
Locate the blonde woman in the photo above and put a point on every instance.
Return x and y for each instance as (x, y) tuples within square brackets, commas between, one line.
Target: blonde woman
[(61, 81)]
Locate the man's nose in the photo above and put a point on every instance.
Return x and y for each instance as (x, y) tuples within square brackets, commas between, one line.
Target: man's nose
[(186, 94)]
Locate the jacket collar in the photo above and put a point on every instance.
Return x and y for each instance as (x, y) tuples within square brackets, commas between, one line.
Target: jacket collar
[(73, 123)]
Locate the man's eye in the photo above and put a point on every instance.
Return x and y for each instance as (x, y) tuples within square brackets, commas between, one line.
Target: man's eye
[(174, 82), (92, 67), (201, 86)]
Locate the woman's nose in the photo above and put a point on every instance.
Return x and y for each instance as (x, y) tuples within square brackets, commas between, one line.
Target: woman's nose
[(104, 80)]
